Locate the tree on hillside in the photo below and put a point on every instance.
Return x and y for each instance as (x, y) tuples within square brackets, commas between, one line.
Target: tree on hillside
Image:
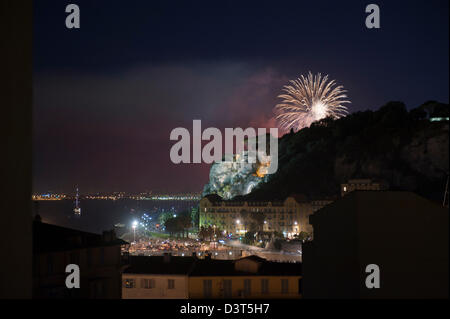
[(383, 144)]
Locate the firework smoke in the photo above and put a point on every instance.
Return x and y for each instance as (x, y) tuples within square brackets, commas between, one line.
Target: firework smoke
[(308, 100)]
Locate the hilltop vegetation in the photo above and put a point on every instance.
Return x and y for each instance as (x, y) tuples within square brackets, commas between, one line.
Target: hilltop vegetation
[(403, 148)]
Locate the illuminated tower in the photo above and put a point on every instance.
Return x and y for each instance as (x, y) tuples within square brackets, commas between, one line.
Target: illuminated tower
[(446, 195), (77, 209)]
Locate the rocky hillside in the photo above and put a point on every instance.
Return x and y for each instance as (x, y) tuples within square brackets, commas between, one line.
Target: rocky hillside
[(405, 149)]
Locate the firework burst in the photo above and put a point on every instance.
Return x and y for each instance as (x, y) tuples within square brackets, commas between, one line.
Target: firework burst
[(310, 99)]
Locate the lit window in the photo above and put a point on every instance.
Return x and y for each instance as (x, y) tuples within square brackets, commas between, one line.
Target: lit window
[(129, 283)]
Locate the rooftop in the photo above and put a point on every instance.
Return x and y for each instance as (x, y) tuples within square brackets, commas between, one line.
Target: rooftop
[(216, 267), (161, 265), (48, 237), (192, 266), (240, 200)]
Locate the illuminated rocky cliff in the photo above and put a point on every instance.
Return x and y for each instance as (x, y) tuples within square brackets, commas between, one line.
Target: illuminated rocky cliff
[(407, 149), (230, 179)]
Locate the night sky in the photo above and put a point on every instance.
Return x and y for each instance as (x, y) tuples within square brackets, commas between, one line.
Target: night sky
[(107, 96)]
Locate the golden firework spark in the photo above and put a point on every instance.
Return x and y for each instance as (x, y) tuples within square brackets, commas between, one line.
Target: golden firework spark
[(310, 99)]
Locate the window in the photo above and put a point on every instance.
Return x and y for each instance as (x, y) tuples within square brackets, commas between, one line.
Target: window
[(170, 283), (129, 283), (49, 264), (207, 288), (264, 286), (148, 283), (227, 289), (247, 287), (284, 286)]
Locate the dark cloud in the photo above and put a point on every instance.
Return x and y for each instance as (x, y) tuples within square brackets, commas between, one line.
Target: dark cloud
[(112, 132), (106, 96)]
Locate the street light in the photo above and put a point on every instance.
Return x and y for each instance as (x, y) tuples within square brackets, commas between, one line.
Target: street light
[(134, 229)]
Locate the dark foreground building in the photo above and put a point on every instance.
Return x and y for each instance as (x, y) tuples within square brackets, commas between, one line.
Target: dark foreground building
[(247, 278), (157, 277), (405, 235), (164, 277), (98, 256)]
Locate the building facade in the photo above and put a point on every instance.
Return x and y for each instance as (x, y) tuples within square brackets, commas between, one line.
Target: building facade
[(249, 277), (362, 185), (154, 286), (289, 217), (378, 228), (167, 277), (156, 277), (98, 257)]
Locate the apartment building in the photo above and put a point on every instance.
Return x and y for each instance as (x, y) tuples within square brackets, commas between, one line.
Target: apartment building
[(362, 185), (97, 255), (289, 216), (378, 228), (248, 277), (156, 277), (163, 277)]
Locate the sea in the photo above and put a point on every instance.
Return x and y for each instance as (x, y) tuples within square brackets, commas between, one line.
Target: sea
[(100, 215)]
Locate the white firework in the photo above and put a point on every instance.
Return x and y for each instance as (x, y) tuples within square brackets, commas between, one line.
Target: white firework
[(310, 99)]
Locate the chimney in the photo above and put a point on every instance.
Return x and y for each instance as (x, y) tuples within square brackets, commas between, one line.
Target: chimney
[(166, 257)]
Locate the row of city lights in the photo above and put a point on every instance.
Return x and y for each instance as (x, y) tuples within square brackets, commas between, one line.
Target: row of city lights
[(146, 217), (265, 222)]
